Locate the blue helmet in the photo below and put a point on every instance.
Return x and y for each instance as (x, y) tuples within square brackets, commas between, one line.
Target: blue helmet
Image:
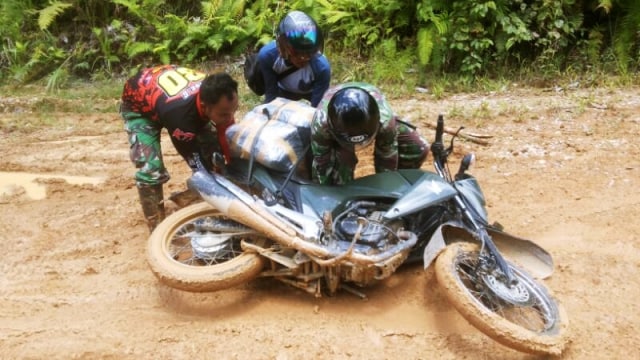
[(300, 32)]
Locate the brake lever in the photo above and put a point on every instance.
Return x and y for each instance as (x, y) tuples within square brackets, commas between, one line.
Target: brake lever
[(449, 150)]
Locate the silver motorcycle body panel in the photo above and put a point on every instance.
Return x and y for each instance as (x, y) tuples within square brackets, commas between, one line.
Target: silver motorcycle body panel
[(430, 189), (309, 227), (470, 190), (215, 190)]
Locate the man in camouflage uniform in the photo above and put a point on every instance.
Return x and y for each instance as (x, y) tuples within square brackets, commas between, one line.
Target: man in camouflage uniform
[(397, 144), (195, 108)]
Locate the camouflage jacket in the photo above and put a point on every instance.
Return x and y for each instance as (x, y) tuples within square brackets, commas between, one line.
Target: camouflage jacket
[(326, 166)]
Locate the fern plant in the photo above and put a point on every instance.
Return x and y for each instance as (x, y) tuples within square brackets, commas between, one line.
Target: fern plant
[(626, 39), (47, 15), (359, 25), (433, 23)]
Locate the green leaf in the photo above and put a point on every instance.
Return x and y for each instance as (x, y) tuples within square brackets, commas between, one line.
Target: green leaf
[(131, 6), (138, 48), (425, 45), (47, 15)]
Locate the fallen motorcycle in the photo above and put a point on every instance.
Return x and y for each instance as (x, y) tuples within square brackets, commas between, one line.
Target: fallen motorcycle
[(255, 221)]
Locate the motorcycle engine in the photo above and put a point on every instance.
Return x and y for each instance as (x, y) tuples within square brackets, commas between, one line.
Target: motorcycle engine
[(373, 232)]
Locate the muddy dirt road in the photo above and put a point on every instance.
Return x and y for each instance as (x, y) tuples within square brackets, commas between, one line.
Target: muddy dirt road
[(562, 169)]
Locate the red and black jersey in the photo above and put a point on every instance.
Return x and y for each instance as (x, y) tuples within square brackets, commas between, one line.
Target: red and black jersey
[(163, 92), (169, 95)]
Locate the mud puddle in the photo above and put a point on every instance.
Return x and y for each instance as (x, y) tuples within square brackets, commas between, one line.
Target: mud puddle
[(12, 182)]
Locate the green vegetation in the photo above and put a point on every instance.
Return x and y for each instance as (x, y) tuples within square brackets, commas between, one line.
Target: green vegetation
[(440, 45)]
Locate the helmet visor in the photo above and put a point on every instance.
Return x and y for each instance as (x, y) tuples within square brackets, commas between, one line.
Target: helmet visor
[(299, 55)]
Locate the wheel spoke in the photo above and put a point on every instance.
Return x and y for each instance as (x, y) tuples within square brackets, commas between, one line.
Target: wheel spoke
[(197, 248), (526, 316), (522, 314), (207, 241), (535, 317), (470, 280)]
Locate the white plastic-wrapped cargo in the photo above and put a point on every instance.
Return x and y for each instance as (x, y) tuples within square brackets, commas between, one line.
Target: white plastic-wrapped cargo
[(278, 133)]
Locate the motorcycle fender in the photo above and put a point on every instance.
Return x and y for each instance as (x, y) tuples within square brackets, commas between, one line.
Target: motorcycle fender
[(537, 261), (524, 252), (435, 245)]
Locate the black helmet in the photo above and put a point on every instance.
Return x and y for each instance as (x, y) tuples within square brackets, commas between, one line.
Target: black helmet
[(354, 117), (300, 32)]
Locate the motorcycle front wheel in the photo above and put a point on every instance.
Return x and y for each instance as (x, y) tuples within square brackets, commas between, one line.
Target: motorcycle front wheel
[(198, 249), (524, 316)]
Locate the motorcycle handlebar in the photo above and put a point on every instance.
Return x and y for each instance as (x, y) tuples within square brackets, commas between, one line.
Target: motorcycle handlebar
[(439, 129), (437, 147)]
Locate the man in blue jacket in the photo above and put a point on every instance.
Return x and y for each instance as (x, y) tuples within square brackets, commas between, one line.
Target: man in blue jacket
[(293, 65)]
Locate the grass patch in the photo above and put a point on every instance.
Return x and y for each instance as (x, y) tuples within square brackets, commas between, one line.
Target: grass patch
[(36, 105)]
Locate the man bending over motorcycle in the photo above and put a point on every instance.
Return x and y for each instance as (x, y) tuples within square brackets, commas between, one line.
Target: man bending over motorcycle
[(195, 108), (357, 114)]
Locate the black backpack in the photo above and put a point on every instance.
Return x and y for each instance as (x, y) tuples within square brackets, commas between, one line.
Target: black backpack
[(253, 74)]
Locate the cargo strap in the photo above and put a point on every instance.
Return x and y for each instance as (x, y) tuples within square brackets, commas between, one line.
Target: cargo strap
[(278, 194), (265, 112)]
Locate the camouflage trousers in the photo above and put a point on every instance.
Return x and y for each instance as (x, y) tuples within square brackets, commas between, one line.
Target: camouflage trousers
[(145, 150), (412, 148)]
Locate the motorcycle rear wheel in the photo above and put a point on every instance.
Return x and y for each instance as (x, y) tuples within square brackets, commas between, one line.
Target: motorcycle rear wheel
[(525, 318), (189, 250)]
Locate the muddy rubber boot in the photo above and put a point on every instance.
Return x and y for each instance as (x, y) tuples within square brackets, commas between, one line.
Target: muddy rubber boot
[(151, 199)]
